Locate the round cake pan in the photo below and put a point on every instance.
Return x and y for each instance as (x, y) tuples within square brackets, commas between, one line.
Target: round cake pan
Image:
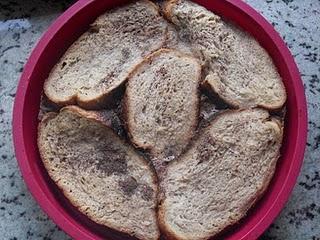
[(65, 30)]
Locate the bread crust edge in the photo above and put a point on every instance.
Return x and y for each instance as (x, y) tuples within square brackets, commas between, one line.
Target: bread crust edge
[(213, 92)]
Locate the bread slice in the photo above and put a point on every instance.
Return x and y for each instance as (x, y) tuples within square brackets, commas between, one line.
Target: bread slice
[(174, 42), (99, 173), (95, 67), (238, 69), (221, 176), (161, 104)]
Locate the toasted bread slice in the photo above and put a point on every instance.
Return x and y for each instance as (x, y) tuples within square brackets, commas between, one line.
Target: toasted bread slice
[(95, 67), (99, 173), (238, 69), (221, 176), (161, 104)]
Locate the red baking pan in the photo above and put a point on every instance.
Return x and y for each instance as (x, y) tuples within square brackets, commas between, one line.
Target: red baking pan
[(66, 29)]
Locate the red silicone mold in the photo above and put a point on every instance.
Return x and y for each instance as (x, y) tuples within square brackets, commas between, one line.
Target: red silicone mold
[(56, 40)]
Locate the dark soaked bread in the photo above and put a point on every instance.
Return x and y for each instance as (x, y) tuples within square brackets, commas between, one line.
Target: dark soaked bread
[(221, 175), (162, 104), (98, 172), (237, 68), (95, 67)]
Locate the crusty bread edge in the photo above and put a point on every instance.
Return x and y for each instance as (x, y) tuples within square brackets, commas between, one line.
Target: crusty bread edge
[(99, 119), (168, 7), (166, 229), (212, 91), (217, 99), (125, 103), (281, 103)]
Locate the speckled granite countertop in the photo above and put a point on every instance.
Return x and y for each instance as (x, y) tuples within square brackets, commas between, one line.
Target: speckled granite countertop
[(21, 25)]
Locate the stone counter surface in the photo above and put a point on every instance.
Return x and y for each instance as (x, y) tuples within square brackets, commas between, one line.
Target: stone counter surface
[(21, 24)]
